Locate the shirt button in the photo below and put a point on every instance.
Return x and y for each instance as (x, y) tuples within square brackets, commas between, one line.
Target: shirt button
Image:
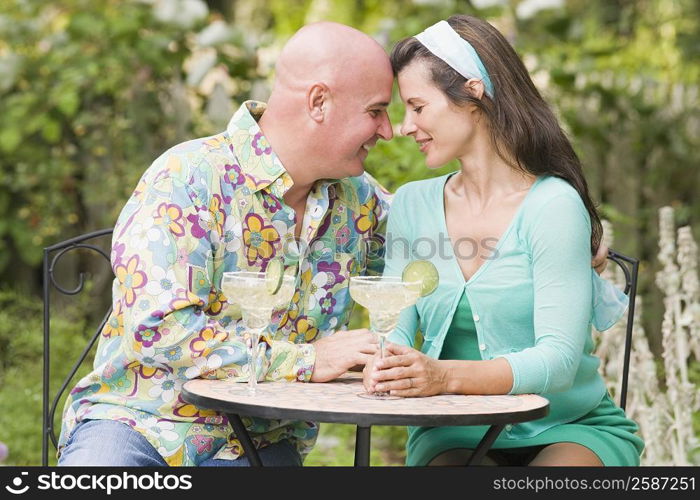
[(476, 317), (482, 347), (279, 181), (291, 216), (509, 427)]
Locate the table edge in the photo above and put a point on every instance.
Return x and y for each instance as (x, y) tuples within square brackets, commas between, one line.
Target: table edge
[(363, 419)]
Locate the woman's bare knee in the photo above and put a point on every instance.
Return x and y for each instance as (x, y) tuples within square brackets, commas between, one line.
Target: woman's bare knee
[(566, 454)]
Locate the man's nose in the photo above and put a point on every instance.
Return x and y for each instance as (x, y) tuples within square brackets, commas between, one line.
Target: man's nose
[(385, 130)]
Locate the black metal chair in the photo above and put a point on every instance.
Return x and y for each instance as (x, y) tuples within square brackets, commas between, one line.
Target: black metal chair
[(52, 255), (630, 268)]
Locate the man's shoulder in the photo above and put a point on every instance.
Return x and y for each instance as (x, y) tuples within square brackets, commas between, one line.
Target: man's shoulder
[(194, 150), (184, 159)]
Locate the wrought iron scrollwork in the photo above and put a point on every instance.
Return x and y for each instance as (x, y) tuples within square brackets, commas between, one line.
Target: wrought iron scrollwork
[(81, 277), (52, 258)]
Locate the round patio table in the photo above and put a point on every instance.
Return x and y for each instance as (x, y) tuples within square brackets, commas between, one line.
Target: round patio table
[(338, 402)]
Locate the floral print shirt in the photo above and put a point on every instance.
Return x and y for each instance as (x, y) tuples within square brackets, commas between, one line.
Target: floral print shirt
[(205, 207)]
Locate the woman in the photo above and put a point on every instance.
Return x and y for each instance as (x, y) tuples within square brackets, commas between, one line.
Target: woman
[(513, 311)]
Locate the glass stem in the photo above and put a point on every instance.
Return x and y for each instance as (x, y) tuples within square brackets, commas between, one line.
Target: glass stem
[(382, 355), (253, 359)]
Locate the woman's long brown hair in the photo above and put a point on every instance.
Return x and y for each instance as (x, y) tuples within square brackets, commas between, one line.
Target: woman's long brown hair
[(521, 122)]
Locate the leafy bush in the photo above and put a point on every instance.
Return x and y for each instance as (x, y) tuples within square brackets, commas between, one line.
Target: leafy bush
[(21, 362)]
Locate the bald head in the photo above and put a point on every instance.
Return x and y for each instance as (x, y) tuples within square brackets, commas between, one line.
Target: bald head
[(328, 104), (333, 53)]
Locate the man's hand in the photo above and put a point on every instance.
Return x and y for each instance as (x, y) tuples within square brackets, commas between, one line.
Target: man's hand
[(600, 260), (342, 351)]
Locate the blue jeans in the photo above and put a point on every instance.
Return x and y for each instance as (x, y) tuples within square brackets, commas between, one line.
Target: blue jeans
[(115, 444)]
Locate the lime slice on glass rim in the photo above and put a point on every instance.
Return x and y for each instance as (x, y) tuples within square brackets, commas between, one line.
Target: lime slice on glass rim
[(423, 271), (273, 276)]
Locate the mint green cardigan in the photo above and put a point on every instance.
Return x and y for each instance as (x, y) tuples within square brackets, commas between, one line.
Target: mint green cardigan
[(533, 303)]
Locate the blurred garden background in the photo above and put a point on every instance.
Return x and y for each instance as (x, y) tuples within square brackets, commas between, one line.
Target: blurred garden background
[(91, 92)]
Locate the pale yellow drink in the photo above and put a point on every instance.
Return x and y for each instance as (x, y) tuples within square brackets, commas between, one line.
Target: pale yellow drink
[(250, 291), (256, 303), (384, 297)]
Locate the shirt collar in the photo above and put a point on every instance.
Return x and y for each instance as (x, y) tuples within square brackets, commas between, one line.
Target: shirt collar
[(258, 162)]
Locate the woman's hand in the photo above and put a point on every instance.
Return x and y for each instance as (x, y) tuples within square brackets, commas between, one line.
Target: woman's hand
[(367, 371), (405, 372), (600, 259)]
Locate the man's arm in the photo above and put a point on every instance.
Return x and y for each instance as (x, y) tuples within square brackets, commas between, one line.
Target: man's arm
[(165, 270)]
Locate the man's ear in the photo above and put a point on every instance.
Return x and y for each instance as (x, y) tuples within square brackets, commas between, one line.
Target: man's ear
[(318, 99), (475, 87)]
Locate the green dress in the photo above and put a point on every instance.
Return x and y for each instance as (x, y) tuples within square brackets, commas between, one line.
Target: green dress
[(605, 430)]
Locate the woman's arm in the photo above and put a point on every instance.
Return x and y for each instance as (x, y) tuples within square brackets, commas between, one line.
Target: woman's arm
[(559, 239), (408, 372)]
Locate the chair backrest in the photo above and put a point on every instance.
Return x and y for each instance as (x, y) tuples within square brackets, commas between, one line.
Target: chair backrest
[(630, 268), (52, 256)]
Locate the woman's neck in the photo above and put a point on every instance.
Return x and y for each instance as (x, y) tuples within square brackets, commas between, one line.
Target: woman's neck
[(484, 177)]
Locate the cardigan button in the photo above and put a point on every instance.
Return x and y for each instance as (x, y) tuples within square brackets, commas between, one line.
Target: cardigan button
[(482, 347), (476, 317), (509, 427)]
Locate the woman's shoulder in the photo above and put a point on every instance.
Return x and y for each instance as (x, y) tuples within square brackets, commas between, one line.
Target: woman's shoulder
[(553, 192), (553, 199), (550, 185)]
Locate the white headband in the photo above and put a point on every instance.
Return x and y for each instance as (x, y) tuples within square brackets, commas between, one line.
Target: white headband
[(445, 43)]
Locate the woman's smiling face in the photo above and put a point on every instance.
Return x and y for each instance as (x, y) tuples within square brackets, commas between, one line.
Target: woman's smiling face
[(442, 130)]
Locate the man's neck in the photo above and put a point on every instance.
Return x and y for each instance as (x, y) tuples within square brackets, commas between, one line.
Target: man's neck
[(290, 153)]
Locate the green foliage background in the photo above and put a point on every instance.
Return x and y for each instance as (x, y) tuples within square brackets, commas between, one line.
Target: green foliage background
[(91, 92)]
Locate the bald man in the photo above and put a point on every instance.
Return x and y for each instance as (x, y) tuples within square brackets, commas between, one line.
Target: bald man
[(284, 179)]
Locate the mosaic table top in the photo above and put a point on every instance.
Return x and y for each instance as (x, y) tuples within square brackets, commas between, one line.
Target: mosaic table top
[(338, 401)]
